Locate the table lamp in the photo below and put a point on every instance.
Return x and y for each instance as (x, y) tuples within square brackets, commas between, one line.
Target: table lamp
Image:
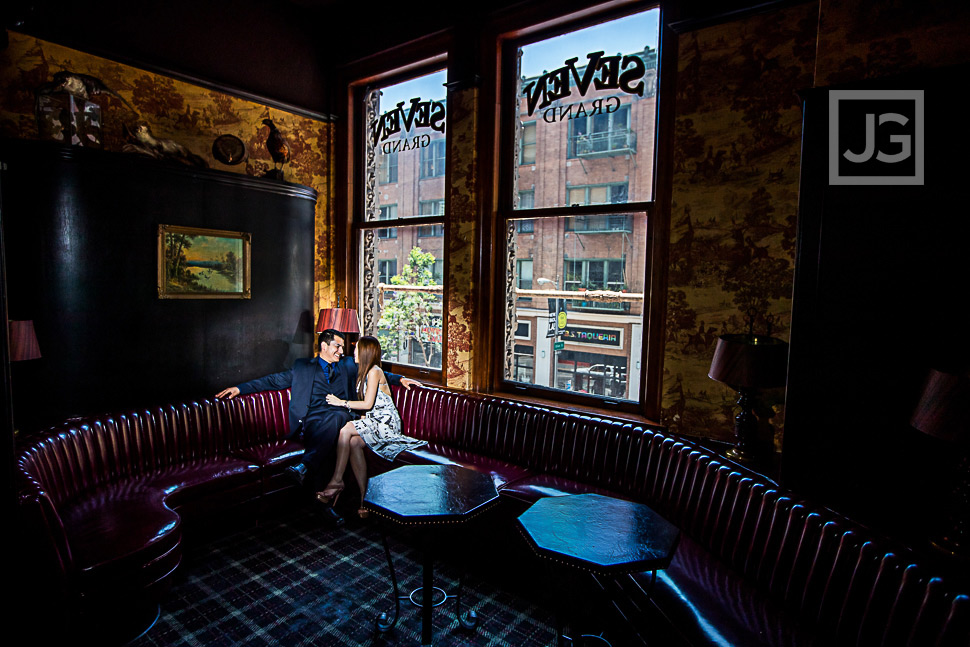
[(746, 363), (342, 319), (22, 340), (944, 413)]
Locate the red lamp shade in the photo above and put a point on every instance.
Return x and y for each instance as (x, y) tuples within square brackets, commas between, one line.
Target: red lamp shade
[(944, 407), (342, 319), (750, 361), (23, 341)]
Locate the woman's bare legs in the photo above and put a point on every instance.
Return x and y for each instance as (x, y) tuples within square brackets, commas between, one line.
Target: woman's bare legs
[(358, 463), (336, 484)]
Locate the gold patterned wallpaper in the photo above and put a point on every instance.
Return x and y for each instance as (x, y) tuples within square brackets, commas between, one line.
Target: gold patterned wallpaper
[(463, 285), (189, 115), (735, 195)]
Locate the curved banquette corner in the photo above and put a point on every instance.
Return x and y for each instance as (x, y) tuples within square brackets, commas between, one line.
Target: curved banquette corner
[(103, 499), (756, 565)]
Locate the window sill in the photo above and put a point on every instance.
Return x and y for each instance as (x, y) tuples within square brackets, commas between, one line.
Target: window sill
[(606, 411)]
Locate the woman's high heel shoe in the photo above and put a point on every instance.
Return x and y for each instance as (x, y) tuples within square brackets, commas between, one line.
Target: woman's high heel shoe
[(330, 495), (363, 513)]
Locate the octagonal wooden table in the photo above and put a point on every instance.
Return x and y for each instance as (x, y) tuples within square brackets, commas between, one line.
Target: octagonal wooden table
[(598, 534), (426, 498)]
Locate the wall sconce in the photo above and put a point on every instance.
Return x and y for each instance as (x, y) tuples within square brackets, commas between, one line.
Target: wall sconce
[(944, 413), (747, 363)]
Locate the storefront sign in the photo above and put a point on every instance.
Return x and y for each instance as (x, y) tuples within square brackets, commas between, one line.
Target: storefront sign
[(624, 73), (598, 336)]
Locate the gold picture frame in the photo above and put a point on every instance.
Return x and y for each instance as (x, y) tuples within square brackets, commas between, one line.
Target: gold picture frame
[(196, 263)]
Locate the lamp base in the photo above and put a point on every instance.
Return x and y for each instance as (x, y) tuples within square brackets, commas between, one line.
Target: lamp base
[(748, 448), (746, 457)]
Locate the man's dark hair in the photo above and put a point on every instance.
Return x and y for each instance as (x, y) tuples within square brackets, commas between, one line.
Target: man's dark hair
[(327, 336)]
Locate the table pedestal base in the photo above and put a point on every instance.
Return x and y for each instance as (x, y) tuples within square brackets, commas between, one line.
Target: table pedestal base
[(423, 597)]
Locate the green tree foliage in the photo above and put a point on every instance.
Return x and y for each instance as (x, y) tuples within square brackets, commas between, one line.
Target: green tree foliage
[(408, 316), (230, 266), (179, 277)]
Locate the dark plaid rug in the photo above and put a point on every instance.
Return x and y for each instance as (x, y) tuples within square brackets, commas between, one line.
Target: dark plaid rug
[(291, 581)]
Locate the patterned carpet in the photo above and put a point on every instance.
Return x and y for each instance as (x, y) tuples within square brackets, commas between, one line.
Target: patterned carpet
[(291, 581)]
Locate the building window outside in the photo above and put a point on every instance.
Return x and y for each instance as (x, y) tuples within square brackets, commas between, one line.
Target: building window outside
[(523, 273), (388, 212), (527, 150), (402, 265), (388, 169), (606, 133), (597, 194), (524, 226), (433, 159), (601, 224), (524, 365), (594, 274), (386, 270), (576, 149), (431, 208)]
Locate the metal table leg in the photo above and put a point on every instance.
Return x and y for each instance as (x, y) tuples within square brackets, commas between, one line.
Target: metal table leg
[(384, 623)]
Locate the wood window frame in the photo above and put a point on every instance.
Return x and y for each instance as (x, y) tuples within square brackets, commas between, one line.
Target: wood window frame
[(387, 68), (530, 28)]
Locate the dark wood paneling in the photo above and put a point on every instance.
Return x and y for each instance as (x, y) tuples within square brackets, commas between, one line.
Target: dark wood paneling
[(81, 232)]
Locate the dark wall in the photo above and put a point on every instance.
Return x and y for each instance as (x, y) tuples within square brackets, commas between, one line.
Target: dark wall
[(81, 235), (267, 49), (881, 285)]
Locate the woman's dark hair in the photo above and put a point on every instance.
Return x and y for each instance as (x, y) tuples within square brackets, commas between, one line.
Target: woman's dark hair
[(368, 355)]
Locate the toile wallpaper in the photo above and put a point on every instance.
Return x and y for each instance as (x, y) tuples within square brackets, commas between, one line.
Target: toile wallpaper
[(735, 188), (735, 195), (190, 116)]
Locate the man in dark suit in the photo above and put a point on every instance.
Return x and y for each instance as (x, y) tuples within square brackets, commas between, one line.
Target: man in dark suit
[(310, 380)]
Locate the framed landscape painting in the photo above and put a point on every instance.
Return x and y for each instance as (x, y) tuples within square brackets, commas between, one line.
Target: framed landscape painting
[(202, 263)]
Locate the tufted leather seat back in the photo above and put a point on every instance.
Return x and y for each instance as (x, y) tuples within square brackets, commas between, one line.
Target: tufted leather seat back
[(81, 455)]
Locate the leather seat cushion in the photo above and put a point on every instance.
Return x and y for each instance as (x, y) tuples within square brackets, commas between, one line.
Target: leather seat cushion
[(502, 472), (121, 529), (533, 487), (711, 605), (285, 452), (203, 478)]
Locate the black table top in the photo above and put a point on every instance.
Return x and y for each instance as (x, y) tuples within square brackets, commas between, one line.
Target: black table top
[(430, 494), (599, 533)]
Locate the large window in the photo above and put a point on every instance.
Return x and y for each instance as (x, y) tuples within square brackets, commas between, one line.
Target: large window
[(577, 210), (402, 259)]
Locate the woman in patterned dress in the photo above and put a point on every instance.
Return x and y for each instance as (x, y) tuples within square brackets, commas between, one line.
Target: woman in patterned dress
[(379, 428)]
